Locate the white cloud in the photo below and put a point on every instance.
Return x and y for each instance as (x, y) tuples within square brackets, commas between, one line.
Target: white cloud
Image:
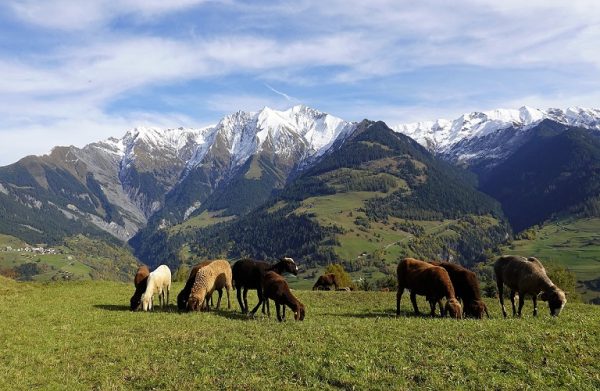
[(301, 43), (82, 15)]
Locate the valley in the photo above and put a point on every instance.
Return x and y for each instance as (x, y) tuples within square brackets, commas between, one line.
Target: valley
[(309, 185)]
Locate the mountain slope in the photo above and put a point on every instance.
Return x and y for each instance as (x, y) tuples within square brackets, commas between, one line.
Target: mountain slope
[(482, 139), (115, 186), (557, 170), (363, 196)]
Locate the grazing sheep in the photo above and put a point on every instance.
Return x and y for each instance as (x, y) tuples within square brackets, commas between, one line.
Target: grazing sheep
[(430, 281), (248, 274), (276, 288), (183, 296), (140, 281), (215, 276), (527, 276), (326, 281), (466, 288), (159, 281)]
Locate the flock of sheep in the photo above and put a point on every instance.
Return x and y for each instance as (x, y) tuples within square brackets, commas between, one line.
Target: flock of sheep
[(434, 280)]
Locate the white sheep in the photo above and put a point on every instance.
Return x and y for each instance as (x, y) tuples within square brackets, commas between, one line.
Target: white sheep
[(159, 281), (215, 276)]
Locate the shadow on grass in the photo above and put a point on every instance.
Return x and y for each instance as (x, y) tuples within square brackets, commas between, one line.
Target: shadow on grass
[(229, 314), (383, 314), (112, 307), (123, 307)]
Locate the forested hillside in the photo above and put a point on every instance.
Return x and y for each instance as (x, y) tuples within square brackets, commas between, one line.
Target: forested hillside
[(377, 196)]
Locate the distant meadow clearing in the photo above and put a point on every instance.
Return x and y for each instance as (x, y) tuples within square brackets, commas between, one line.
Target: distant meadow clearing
[(83, 336)]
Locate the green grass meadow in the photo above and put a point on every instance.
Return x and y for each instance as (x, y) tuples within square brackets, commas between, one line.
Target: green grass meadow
[(81, 335)]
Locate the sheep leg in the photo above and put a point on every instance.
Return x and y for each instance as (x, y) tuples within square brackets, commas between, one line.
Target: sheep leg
[(283, 316), (534, 305), (228, 300), (521, 302), (239, 298), (413, 300), (278, 307), (432, 304), (268, 307), (512, 301), (261, 301), (246, 307), (500, 285), (264, 303), (219, 300), (398, 297), (442, 308), (168, 293)]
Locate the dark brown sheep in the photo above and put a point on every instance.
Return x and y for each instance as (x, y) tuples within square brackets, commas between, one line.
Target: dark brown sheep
[(325, 282), (425, 279), (466, 288), (248, 274), (527, 276), (276, 288), (183, 296), (140, 280)]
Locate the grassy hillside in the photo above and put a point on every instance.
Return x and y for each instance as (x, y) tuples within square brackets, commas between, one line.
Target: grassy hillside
[(574, 244), (78, 258), (82, 336)]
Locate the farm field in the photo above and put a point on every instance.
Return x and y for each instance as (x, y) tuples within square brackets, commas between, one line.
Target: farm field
[(81, 335), (574, 244)]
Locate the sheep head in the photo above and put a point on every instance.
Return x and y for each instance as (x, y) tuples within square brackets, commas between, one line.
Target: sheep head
[(556, 299), (289, 265), (135, 303), (476, 309), (453, 308), (194, 304), (182, 301), (299, 313), (197, 302)]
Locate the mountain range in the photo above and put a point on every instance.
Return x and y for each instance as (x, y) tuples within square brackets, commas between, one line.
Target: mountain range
[(154, 183)]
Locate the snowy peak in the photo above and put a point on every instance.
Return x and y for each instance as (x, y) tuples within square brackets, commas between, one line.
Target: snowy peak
[(299, 130), (441, 135)]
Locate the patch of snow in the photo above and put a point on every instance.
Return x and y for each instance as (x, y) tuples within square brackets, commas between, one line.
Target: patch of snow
[(441, 135)]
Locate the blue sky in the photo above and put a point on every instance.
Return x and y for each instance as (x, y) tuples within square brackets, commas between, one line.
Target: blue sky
[(75, 71)]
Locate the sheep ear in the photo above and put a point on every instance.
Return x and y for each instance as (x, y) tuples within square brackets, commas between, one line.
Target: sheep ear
[(544, 296)]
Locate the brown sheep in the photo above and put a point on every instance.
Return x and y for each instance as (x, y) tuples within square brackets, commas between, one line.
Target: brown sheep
[(183, 296), (140, 281), (527, 276), (325, 282), (430, 281), (276, 288), (215, 276), (466, 288)]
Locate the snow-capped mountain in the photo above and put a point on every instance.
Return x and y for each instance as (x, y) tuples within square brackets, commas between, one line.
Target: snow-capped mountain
[(157, 177), (491, 133), (245, 133), (117, 184)]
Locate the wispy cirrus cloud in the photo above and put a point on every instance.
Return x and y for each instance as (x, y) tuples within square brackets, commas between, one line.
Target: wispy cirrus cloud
[(110, 65)]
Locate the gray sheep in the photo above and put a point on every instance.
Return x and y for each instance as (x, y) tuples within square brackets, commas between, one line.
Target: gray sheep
[(527, 276)]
